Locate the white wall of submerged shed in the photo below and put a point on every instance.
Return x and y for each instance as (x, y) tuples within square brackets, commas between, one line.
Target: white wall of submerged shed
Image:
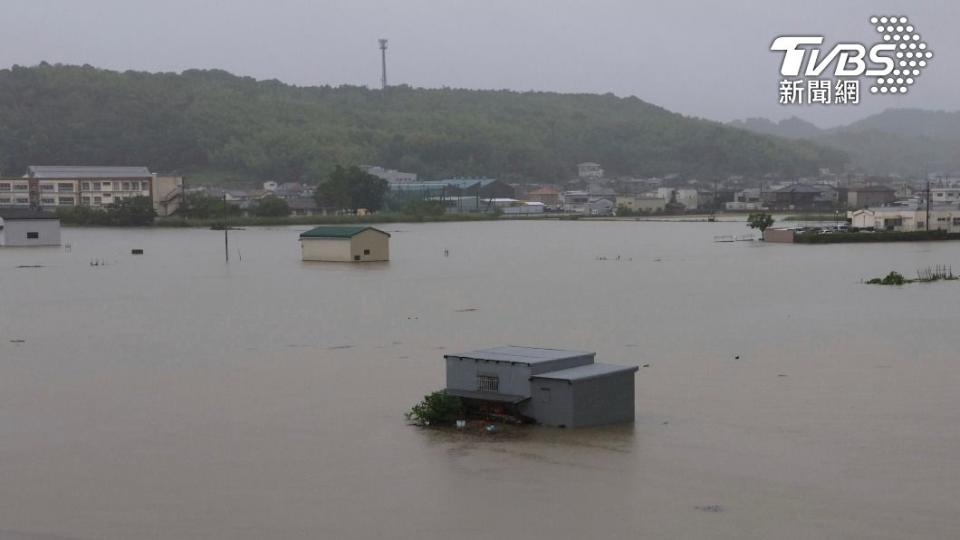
[(326, 249), (374, 242), (18, 232)]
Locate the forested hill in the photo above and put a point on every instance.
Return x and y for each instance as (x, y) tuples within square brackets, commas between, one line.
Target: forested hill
[(211, 123), (907, 142)]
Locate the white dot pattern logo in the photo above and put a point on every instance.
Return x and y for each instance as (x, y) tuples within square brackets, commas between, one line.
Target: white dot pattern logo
[(911, 52)]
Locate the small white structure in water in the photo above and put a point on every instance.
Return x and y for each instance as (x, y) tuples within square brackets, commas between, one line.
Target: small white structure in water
[(345, 244), (28, 227)]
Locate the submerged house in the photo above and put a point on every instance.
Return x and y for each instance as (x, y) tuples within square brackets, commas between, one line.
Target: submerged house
[(345, 244), (28, 227), (551, 386)]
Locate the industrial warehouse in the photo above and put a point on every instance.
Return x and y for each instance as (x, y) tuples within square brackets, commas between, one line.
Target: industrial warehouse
[(550, 386)]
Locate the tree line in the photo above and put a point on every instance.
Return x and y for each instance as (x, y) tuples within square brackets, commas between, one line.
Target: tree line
[(211, 124)]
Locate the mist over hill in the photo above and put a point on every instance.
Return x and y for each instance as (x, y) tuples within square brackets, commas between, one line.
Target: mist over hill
[(907, 142), (214, 124)]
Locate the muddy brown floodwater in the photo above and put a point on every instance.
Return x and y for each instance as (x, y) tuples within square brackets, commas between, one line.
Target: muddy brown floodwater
[(173, 396)]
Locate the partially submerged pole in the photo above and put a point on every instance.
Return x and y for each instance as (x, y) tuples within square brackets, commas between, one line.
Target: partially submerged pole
[(226, 231)]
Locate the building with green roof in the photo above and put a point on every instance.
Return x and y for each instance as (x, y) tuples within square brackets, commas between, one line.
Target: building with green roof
[(345, 243)]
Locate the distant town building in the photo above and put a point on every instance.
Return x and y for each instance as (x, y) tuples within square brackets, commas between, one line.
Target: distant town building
[(907, 216), (548, 195), (575, 201), (746, 199), (800, 196), (513, 207), (600, 191), (600, 207), (95, 186), (483, 187), (14, 192), (304, 206), (550, 386), (589, 170), (641, 203), (945, 194), (689, 198), (28, 227), (390, 175), (864, 196), (167, 194), (345, 244)]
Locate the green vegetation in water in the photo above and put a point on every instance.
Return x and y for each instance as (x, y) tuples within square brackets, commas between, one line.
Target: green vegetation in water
[(129, 212), (893, 278), (436, 409), (924, 275), (760, 220), (255, 221), (880, 236)]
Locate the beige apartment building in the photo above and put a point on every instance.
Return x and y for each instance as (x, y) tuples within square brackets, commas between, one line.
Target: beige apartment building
[(94, 186), (50, 187)]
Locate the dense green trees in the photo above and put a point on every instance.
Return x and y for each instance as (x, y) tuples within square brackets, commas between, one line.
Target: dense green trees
[(272, 206), (203, 206), (760, 220), (129, 212), (349, 188), (210, 124)]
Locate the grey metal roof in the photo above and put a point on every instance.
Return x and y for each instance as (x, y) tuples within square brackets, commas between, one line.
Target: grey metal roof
[(83, 171), (805, 188), (588, 371), (520, 355), (17, 214)]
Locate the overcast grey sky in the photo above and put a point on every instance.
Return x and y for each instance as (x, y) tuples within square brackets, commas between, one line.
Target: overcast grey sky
[(708, 59)]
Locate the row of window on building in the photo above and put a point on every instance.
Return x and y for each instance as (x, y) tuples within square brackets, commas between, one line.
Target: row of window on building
[(69, 187), (62, 200), (14, 192)]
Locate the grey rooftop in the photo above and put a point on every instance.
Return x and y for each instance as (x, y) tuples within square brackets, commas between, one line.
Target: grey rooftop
[(589, 371), (18, 214), (520, 355), (84, 171)]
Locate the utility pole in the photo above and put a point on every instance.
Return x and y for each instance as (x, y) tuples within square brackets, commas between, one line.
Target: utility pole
[(928, 203), (383, 62), (226, 230)]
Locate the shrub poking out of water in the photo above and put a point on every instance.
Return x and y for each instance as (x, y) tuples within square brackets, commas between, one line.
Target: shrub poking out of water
[(924, 275), (893, 278), (436, 409)]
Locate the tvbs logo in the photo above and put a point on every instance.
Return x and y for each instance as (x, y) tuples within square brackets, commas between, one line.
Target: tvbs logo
[(894, 62)]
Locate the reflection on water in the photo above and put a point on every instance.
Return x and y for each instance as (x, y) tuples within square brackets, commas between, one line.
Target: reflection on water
[(171, 395)]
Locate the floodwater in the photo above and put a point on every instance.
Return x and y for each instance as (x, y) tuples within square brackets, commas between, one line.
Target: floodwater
[(174, 396)]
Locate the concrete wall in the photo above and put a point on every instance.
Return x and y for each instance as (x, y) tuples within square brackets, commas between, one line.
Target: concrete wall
[(778, 235), (603, 400), (15, 232), (160, 190), (462, 375)]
